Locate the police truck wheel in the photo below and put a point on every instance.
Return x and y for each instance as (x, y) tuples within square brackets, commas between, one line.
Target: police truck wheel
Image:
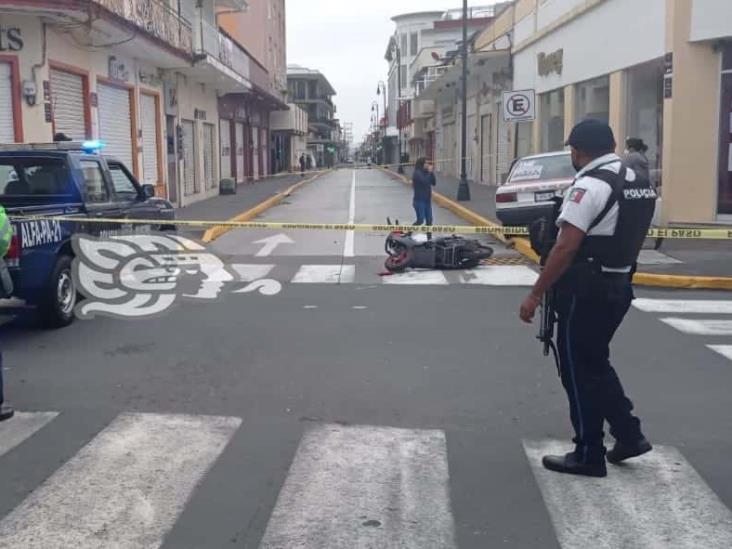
[(57, 307)]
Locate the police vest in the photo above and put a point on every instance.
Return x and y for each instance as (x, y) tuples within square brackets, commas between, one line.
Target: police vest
[(637, 203)]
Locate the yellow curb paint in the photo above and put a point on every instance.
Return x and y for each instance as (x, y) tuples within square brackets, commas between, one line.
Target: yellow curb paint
[(216, 232), (681, 281), (523, 246)]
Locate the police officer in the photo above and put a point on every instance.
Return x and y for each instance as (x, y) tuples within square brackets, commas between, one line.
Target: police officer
[(6, 234), (602, 225)]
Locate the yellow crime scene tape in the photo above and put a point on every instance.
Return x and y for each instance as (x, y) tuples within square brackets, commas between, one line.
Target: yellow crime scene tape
[(679, 233), (282, 226)]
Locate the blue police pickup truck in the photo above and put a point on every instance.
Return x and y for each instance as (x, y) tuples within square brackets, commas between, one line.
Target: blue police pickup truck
[(65, 180)]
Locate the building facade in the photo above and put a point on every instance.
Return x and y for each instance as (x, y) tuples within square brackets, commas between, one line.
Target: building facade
[(669, 83), (160, 82), (310, 90), (261, 31), (667, 79), (290, 131)]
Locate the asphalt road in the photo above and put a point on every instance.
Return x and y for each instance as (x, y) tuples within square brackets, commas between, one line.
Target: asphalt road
[(348, 411)]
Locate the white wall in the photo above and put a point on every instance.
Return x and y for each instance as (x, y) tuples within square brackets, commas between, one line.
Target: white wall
[(613, 36), (551, 10), (524, 29), (711, 19)]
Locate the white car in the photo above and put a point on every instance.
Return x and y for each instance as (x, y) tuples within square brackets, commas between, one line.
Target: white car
[(531, 185)]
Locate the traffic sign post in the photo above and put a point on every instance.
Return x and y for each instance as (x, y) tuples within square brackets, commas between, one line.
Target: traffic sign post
[(519, 106)]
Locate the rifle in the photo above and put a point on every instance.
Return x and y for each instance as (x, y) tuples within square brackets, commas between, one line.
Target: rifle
[(546, 326), (543, 235)]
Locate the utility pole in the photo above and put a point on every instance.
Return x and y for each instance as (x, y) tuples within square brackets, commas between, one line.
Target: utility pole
[(400, 168), (381, 90), (463, 193), (375, 105)]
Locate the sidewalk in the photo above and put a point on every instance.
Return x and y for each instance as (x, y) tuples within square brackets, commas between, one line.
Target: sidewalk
[(224, 207), (676, 258)]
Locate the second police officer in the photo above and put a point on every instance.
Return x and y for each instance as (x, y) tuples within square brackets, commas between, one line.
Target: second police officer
[(602, 224)]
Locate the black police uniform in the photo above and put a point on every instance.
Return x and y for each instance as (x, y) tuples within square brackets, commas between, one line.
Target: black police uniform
[(592, 299)]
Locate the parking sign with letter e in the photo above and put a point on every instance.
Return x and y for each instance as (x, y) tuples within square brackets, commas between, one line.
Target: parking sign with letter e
[(519, 106)]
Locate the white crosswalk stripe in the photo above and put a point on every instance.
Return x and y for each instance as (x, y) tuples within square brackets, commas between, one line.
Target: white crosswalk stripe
[(325, 274), (717, 326), (124, 489), (683, 306), (365, 487), (347, 486), (724, 350), (417, 278), (484, 275), (500, 275), (709, 327), (659, 501), (23, 426)]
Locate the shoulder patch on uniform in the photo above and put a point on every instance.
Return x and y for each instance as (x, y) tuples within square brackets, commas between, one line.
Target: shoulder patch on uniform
[(577, 194)]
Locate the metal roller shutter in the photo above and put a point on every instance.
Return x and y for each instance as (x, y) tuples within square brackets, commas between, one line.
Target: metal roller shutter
[(255, 153), (69, 112), (115, 122), (7, 126), (189, 158), (240, 176), (225, 132), (209, 155), (150, 149)]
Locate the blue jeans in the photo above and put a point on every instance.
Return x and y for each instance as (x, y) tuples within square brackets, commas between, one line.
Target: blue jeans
[(423, 209)]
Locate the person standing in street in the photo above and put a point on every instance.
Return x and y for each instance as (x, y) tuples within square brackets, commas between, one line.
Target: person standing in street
[(635, 157), (422, 181), (602, 226), (302, 164), (6, 235)]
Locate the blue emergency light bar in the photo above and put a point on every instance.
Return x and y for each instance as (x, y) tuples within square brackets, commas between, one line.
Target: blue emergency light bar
[(92, 146)]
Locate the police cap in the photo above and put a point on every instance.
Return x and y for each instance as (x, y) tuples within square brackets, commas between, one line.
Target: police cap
[(592, 136)]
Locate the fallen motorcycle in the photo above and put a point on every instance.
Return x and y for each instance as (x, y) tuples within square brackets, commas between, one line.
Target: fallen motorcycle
[(407, 250)]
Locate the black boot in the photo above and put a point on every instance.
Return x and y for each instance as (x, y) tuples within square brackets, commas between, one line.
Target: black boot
[(622, 451), (571, 465), (6, 412)]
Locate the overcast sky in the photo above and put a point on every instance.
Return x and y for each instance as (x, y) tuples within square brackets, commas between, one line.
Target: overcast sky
[(346, 40)]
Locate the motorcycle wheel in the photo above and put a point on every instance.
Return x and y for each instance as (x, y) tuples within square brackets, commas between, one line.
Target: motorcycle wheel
[(477, 253), (397, 263), (392, 247)]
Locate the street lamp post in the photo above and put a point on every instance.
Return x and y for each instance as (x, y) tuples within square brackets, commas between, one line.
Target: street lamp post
[(400, 168), (375, 106), (463, 193), (381, 90)]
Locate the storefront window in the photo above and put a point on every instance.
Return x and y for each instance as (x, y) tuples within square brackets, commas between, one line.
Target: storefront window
[(552, 120), (592, 99), (724, 206), (644, 112)]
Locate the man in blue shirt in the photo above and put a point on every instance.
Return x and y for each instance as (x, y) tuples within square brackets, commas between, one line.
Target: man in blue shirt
[(423, 180)]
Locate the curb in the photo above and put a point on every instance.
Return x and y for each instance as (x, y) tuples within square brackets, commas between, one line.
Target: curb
[(216, 232), (523, 246)]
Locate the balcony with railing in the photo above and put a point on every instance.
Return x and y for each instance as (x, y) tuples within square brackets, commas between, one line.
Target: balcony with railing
[(220, 60), (156, 18)]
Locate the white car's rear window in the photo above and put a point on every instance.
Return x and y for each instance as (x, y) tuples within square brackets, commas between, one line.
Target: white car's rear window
[(542, 169)]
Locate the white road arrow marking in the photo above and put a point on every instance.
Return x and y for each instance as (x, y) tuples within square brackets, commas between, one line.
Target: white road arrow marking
[(271, 242)]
